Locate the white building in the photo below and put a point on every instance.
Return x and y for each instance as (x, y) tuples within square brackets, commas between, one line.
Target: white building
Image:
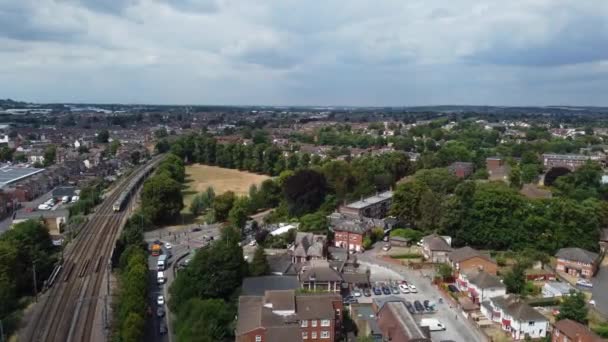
[(515, 317), (480, 285)]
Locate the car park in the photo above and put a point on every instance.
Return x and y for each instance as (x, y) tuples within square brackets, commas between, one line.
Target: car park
[(168, 245), (429, 306), (160, 300), (418, 306), (350, 300)]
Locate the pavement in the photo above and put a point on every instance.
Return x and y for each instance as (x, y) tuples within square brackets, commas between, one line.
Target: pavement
[(600, 284), (183, 241), (458, 328)]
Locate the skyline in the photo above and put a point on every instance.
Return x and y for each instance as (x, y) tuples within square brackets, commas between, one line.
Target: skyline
[(318, 53)]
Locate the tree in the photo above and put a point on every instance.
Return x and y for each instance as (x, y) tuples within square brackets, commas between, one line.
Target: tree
[(529, 173), (304, 191), (133, 328), (162, 146), (515, 177), (103, 136), (515, 279), (114, 146), (315, 222), (135, 157), (174, 167), (444, 271), (204, 320), (50, 153), (161, 198), (6, 153), (222, 205), (237, 215), (407, 233), (196, 206), (259, 265), (574, 307)]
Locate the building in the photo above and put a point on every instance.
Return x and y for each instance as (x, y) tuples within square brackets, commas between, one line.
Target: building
[(365, 319), (480, 285), (569, 161), (577, 262), (349, 231), (53, 220), (14, 174), (398, 325), (553, 289), (604, 240), (467, 259), (497, 169), (435, 248), (318, 275), (376, 206), (287, 316), (257, 286), (461, 170), (515, 317), (567, 330), (309, 246)]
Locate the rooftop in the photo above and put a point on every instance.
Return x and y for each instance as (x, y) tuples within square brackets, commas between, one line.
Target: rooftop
[(576, 331), (577, 254), (466, 253), (383, 196), (257, 286), (11, 174)]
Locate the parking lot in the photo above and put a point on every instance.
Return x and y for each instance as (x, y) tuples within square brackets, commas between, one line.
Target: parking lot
[(457, 327)]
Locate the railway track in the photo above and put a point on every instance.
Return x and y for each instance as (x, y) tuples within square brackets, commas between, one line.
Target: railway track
[(67, 312)]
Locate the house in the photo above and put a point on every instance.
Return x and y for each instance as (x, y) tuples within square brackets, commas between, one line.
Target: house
[(318, 275), (349, 231), (376, 206), (257, 286), (497, 169), (515, 317), (553, 289), (287, 316), (567, 330), (53, 220), (480, 285), (398, 325), (468, 259), (577, 262), (364, 317), (461, 170), (435, 248), (399, 241), (309, 246), (569, 161)]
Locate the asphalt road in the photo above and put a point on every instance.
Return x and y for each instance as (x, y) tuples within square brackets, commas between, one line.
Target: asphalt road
[(600, 284), (183, 241), (458, 328)]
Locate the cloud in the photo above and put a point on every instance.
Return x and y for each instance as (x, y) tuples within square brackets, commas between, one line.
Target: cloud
[(312, 52)]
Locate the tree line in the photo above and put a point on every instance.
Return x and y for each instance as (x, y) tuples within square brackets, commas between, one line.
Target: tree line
[(161, 198)]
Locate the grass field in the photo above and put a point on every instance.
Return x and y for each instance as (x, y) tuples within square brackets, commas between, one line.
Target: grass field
[(200, 177)]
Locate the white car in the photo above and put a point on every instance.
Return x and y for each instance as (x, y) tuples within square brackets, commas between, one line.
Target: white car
[(356, 293), (585, 283), (404, 288), (386, 247), (160, 300), (44, 207), (253, 243), (168, 245), (412, 288)]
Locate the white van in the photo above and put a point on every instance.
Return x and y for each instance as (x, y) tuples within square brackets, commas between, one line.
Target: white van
[(432, 323), (65, 199), (160, 277)]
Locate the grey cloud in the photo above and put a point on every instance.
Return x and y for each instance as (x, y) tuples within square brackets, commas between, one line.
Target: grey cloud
[(17, 22), (114, 7), (203, 6)]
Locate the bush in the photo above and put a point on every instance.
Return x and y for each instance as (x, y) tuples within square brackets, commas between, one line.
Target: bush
[(407, 256), (407, 233), (543, 302), (367, 243)]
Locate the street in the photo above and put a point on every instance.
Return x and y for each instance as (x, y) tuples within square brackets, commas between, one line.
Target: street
[(458, 328), (600, 284), (183, 241)]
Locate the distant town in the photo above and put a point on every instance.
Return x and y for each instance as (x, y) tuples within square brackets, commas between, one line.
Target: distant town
[(263, 224)]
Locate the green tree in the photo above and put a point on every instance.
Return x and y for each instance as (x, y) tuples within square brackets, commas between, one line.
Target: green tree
[(515, 177), (162, 146), (529, 173), (259, 265), (103, 136), (161, 198), (444, 271), (222, 205), (315, 222), (237, 215), (114, 146), (133, 328), (515, 279), (574, 307), (204, 320), (304, 191), (50, 153)]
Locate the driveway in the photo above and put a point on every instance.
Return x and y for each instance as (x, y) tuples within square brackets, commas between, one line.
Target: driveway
[(458, 328)]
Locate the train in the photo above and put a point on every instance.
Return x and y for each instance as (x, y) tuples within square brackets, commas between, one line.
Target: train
[(124, 196)]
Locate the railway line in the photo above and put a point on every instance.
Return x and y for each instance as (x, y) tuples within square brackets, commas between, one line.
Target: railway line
[(67, 311)]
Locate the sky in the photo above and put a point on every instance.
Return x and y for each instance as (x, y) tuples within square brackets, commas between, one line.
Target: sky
[(306, 52)]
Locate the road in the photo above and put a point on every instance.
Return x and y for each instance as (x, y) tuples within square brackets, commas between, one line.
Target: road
[(600, 284), (458, 328), (183, 241), (74, 308)]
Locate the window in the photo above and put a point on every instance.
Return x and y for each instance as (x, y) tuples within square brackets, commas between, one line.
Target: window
[(324, 334), (305, 335), (325, 323), (304, 324), (258, 338), (313, 335), (313, 323), (531, 323)]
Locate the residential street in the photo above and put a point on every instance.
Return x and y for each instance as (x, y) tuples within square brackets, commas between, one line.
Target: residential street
[(459, 329), (600, 288)]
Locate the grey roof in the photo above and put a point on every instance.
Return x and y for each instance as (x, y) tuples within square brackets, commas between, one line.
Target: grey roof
[(309, 244), (577, 254), (282, 264), (466, 253), (359, 225), (383, 196), (289, 332), (436, 243), (257, 286), (484, 280), (61, 191), (36, 214), (320, 271), (517, 308), (249, 314), (316, 306), (381, 301), (405, 320), (355, 278), (283, 300), (11, 174)]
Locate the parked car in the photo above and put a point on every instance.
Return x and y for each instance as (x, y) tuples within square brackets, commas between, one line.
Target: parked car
[(160, 300), (453, 288), (377, 290), (419, 307), (350, 300), (160, 312), (410, 307), (404, 288), (386, 290), (367, 292), (162, 329), (197, 229), (428, 305), (395, 289), (168, 245), (412, 288), (585, 283), (386, 247), (356, 292)]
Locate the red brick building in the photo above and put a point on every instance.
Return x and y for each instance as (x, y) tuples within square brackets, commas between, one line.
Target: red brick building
[(461, 170), (567, 330), (284, 316), (577, 262)]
